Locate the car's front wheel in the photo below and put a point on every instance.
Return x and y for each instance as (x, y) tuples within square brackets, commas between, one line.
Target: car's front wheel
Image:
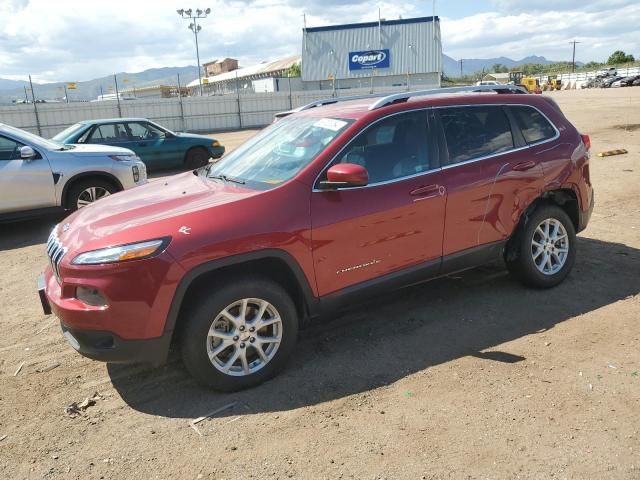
[(196, 157), (544, 249), (239, 336), (88, 191)]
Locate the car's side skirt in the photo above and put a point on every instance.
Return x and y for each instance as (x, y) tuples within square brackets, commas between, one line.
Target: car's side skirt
[(432, 269)]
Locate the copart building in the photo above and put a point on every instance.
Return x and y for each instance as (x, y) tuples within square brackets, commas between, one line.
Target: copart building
[(386, 53)]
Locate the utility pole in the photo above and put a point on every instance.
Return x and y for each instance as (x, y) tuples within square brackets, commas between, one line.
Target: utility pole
[(460, 68), (573, 61), (115, 79), (35, 107), (195, 28)]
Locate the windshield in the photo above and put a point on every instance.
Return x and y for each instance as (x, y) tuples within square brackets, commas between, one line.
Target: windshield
[(279, 152), (67, 132), (31, 138)]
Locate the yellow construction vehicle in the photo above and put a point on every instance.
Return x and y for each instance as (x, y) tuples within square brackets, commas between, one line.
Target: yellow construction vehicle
[(531, 84), (554, 83)]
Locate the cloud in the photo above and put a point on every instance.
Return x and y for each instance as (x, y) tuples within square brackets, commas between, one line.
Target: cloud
[(69, 40), (544, 33)]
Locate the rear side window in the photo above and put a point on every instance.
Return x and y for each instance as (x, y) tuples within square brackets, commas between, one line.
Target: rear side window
[(475, 132), (534, 126), (103, 134)]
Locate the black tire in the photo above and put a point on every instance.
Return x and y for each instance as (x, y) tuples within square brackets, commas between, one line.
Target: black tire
[(519, 257), (199, 319), (81, 186), (196, 157)]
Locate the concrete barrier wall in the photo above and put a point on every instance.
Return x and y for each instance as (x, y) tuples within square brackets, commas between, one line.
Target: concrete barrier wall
[(195, 114), (584, 76)]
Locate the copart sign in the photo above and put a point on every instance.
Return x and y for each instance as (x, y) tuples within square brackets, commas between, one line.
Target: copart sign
[(369, 59)]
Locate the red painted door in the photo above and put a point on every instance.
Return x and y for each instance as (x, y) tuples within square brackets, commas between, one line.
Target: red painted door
[(490, 176), (394, 222)]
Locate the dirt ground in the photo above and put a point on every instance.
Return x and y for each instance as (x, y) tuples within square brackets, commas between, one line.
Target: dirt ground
[(472, 376)]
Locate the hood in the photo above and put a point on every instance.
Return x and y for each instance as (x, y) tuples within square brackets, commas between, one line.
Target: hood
[(157, 209), (92, 150), (195, 136)]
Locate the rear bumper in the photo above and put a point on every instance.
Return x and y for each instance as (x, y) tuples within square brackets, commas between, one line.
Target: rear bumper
[(585, 215), (108, 347)]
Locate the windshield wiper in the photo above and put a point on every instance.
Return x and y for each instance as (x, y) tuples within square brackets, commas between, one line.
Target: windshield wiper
[(228, 179)]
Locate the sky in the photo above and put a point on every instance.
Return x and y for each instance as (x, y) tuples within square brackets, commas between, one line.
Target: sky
[(75, 40)]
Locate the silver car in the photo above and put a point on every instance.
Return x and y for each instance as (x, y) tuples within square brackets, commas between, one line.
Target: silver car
[(37, 175)]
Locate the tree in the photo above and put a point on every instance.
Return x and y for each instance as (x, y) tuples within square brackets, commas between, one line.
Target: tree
[(591, 65), (295, 70), (618, 57), (499, 68)]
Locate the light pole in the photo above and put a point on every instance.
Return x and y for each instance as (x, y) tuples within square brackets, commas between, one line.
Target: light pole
[(332, 54), (189, 14), (412, 56)]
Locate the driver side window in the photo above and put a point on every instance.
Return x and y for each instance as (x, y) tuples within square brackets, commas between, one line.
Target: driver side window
[(9, 149), (142, 131), (392, 148)]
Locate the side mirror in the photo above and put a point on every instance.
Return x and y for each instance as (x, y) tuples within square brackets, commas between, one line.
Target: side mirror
[(345, 175), (27, 153)]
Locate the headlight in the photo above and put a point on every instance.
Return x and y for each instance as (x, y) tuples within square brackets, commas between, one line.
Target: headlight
[(215, 143), (123, 158), (122, 253)]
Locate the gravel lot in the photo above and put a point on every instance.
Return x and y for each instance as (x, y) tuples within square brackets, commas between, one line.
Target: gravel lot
[(472, 376)]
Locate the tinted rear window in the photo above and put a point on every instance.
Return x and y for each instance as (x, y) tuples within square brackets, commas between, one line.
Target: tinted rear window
[(534, 126), (474, 132)]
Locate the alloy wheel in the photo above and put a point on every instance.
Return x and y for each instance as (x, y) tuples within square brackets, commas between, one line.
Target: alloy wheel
[(244, 337), (90, 195), (550, 246)]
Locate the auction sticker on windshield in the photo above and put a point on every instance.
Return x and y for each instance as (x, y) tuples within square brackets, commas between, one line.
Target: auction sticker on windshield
[(330, 124)]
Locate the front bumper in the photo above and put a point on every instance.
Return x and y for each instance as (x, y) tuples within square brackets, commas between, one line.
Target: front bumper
[(216, 152), (130, 174), (108, 347), (130, 325)]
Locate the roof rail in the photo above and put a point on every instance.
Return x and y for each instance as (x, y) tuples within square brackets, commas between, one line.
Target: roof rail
[(404, 96), (330, 100)]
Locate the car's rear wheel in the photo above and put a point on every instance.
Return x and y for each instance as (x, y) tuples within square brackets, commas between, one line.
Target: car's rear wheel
[(196, 157), (239, 336), (88, 191), (544, 249)]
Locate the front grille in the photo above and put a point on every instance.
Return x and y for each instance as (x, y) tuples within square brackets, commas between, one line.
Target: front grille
[(55, 251)]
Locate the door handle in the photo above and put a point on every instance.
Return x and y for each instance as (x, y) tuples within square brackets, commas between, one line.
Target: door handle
[(522, 166), (427, 190)]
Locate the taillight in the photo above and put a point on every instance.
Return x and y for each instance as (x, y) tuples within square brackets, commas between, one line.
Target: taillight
[(586, 140)]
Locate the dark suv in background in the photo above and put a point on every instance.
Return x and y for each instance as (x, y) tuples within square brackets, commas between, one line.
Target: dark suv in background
[(337, 201)]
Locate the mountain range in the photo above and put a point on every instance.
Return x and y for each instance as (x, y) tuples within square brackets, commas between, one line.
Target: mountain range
[(451, 67), (11, 90), (15, 89)]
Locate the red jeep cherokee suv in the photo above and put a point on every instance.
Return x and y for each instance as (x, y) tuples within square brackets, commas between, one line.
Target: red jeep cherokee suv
[(343, 198)]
